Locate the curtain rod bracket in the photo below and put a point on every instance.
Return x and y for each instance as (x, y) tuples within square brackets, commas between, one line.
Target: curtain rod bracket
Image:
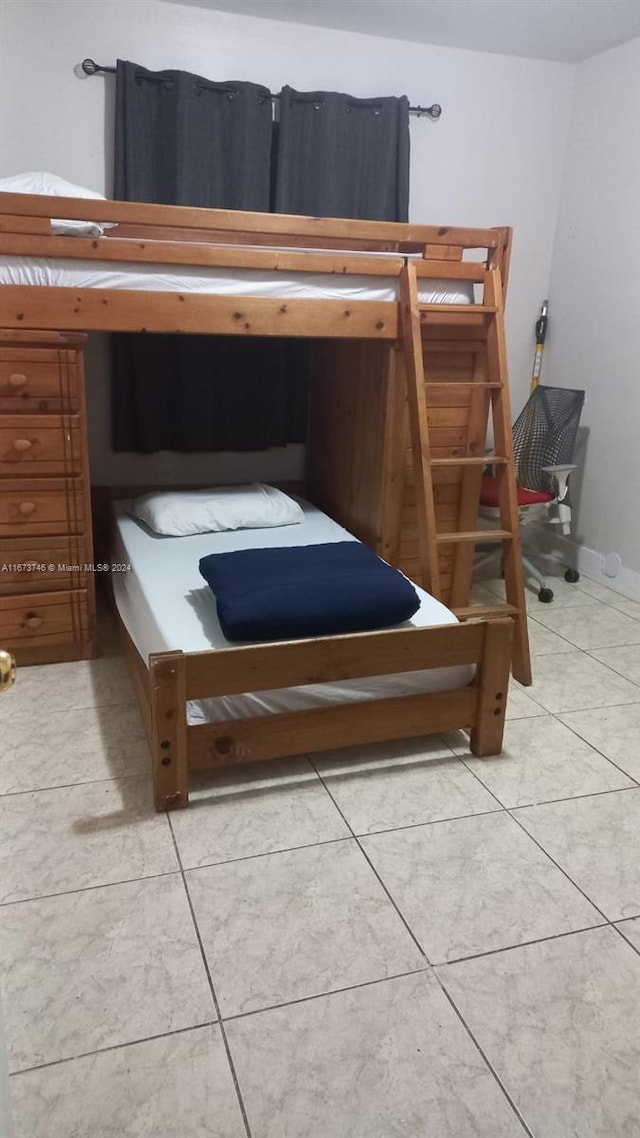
[(90, 67)]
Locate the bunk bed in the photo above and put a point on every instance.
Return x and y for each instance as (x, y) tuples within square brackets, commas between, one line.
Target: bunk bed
[(407, 362)]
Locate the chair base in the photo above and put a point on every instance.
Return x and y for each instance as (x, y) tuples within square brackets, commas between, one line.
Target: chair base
[(533, 573)]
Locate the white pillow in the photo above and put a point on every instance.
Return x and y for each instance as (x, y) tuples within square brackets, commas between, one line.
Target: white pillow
[(180, 513), (36, 182)]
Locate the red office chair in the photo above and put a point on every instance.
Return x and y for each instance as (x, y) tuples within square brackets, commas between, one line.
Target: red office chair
[(544, 436)]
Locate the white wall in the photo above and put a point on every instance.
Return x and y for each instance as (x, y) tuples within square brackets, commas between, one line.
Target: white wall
[(494, 158), (594, 332)]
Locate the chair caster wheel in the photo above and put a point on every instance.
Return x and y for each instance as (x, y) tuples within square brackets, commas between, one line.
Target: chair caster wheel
[(572, 575), (546, 596)]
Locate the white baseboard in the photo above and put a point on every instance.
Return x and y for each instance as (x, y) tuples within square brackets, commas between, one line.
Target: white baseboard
[(588, 561)]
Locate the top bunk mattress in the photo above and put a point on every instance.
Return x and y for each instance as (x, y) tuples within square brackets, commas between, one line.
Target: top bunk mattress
[(72, 273), (165, 605)]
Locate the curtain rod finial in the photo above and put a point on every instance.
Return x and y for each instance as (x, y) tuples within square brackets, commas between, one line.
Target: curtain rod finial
[(434, 111), (90, 67)]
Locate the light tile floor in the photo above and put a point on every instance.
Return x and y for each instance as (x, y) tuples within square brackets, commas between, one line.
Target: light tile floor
[(398, 941)]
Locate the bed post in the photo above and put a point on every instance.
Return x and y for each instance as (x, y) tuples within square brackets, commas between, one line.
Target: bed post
[(493, 684), (168, 730)]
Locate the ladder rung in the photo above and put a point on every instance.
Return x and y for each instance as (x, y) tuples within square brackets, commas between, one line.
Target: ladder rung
[(478, 536), (475, 460), (463, 386), (486, 612), (476, 309)]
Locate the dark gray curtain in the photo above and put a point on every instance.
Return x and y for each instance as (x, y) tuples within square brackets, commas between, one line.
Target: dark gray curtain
[(210, 393), (343, 157), (184, 140)]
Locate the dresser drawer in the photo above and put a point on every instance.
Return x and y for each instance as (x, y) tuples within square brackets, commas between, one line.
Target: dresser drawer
[(35, 564), (45, 507), (38, 379), (40, 444), (41, 620)]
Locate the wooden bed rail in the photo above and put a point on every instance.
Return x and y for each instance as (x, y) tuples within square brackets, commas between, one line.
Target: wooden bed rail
[(176, 677), (149, 234), (112, 249), (26, 213), (240, 741), (125, 310), (291, 663)]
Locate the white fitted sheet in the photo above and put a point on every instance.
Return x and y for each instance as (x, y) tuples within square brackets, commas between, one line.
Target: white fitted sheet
[(165, 604), (71, 273)]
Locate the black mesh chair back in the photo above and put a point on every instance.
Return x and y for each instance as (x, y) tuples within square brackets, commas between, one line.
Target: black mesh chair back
[(544, 434)]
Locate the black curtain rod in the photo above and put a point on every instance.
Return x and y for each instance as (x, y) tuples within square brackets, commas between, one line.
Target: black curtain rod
[(90, 67)]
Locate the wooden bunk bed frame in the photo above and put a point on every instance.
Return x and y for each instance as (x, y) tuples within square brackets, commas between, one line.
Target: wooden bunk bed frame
[(400, 396)]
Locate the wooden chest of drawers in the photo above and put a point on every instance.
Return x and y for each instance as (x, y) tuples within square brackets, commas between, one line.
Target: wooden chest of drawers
[(47, 597)]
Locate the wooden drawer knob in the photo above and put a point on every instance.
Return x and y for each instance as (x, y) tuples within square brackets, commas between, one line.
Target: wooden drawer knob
[(26, 508), (33, 620), (22, 444), (17, 379)]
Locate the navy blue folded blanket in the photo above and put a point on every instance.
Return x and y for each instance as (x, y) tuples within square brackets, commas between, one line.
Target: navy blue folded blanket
[(309, 590)]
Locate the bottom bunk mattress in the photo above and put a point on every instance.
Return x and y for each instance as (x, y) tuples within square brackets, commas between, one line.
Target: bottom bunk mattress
[(165, 605)]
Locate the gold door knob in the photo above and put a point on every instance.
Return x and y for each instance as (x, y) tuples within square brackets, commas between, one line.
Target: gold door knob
[(17, 379), (27, 508), (33, 620), (7, 670), (22, 444)]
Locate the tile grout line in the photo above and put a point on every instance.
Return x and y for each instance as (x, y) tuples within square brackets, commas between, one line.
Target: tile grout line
[(522, 944), (551, 801), (113, 1047), (142, 775), (424, 971), (89, 888), (225, 1019), (265, 853), (571, 647), (431, 970), (371, 866), (579, 647), (572, 710), (589, 652), (345, 837), (427, 970), (212, 989), (558, 866), (482, 1054), (556, 716), (623, 596), (509, 812), (19, 716), (579, 711), (247, 857), (70, 785), (626, 940)]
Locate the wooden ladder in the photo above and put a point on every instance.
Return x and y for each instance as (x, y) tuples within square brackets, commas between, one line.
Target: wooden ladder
[(495, 389)]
